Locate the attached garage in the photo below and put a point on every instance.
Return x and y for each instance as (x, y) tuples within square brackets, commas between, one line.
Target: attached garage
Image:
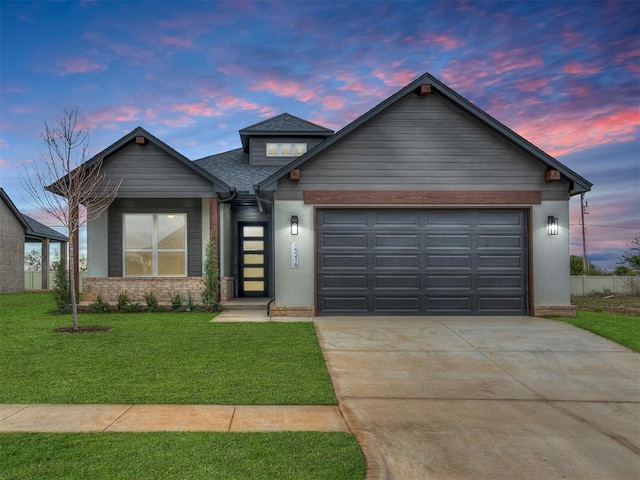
[(421, 261)]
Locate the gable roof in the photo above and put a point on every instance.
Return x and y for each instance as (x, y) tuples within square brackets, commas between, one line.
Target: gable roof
[(219, 185), (32, 228), (284, 124), (578, 183)]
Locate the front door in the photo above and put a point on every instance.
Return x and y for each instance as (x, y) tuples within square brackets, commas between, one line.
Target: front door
[(253, 261)]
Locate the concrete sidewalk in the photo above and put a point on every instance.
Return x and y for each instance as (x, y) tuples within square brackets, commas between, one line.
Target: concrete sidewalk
[(151, 418)]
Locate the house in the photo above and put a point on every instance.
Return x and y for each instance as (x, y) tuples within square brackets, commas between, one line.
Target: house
[(423, 205), (15, 230)]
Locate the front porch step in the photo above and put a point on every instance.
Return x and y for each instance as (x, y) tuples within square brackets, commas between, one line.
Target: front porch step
[(246, 304)]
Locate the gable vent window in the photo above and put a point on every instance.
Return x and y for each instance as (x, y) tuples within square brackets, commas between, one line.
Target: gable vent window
[(286, 149), (155, 245)]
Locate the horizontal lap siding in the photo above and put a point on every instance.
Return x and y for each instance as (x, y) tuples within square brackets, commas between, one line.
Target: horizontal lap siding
[(421, 143), (148, 171)]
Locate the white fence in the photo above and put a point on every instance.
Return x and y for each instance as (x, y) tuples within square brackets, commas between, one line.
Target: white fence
[(33, 280), (586, 284)]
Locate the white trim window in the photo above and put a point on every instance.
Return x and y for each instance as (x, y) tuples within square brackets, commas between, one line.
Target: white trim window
[(286, 149), (155, 244)]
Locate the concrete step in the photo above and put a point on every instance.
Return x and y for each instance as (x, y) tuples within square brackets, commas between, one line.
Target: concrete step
[(246, 304)]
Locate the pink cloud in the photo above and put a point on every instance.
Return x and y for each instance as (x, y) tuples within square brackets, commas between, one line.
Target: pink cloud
[(402, 77), (229, 102), (285, 88), (197, 109), (109, 117), (578, 68), (528, 85), (4, 163), (177, 42), (333, 102), (78, 65), (515, 59), (445, 41)]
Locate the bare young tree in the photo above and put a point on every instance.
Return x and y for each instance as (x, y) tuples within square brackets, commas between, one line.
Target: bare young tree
[(79, 190)]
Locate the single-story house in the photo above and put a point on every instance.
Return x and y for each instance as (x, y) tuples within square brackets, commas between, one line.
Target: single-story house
[(17, 229), (423, 205)]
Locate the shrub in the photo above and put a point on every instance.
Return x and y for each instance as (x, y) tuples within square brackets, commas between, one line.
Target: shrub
[(125, 304), (152, 302), (191, 303), (176, 300), (62, 288), (210, 295), (99, 305)]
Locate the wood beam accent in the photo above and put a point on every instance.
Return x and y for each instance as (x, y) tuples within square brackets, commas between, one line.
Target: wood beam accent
[(368, 197), (294, 175), (140, 140), (425, 90), (213, 220), (551, 175)]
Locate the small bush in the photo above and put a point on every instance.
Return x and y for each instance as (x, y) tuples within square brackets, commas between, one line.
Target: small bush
[(99, 305), (62, 288), (125, 304), (152, 302), (191, 304), (176, 300)]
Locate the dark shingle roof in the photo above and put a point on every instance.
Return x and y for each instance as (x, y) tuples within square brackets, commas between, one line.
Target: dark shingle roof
[(284, 124), (233, 168), (36, 229)]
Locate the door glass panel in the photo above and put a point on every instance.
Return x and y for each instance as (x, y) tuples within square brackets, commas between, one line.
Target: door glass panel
[(253, 231), (253, 286), (249, 245), (253, 272), (253, 259)]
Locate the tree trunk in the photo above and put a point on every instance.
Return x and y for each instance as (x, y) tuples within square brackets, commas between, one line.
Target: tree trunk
[(72, 283)]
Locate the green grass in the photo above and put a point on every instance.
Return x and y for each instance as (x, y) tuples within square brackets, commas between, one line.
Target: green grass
[(139, 456), (164, 358), (623, 329)]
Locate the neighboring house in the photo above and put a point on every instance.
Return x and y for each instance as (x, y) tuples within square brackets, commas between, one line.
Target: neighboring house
[(16, 230), (423, 205)]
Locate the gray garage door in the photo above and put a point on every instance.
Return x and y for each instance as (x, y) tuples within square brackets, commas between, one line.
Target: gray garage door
[(438, 262)]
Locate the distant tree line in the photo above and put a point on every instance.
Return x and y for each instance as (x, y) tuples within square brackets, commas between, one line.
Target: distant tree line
[(628, 263)]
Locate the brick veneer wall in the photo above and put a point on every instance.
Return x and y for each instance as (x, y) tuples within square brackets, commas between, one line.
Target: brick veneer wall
[(137, 287), (11, 252)]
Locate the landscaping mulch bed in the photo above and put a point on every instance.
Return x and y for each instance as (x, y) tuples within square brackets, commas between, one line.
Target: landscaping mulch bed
[(83, 329)]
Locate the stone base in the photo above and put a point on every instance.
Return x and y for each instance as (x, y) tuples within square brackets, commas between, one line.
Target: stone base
[(278, 311), (137, 287), (226, 289), (555, 311)]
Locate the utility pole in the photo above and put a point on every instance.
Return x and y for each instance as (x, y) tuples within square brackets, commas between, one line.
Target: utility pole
[(583, 212)]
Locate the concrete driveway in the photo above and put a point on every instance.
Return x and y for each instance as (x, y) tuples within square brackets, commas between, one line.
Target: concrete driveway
[(485, 397)]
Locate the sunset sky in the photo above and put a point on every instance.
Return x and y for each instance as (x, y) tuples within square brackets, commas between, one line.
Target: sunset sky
[(563, 74)]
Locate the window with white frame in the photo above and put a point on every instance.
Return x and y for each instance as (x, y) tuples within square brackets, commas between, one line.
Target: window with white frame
[(286, 149), (155, 244)]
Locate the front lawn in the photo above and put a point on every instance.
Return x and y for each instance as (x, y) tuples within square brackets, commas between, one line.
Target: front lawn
[(161, 358), (623, 329), (140, 456)]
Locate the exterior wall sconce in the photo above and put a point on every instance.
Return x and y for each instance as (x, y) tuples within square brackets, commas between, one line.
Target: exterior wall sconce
[(552, 225), (294, 225)]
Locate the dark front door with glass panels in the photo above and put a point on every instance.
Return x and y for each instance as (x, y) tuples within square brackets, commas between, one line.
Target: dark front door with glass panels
[(253, 259)]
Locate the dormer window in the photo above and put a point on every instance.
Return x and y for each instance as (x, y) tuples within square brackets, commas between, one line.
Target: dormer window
[(286, 149)]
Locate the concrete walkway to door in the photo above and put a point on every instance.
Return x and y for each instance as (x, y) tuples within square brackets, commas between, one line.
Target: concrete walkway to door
[(485, 397)]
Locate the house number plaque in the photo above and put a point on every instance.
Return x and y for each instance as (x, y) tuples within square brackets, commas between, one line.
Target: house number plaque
[(294, 254)]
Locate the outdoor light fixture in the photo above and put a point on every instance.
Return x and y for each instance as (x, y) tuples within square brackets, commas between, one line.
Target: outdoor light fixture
[(294, 225), (552, 225)]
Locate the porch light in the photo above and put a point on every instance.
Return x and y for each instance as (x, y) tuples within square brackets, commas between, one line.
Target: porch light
[(552, 225), (294, 225)]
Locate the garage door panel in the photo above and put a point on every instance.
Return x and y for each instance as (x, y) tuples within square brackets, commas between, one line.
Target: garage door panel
[(448, 282), (396, 282), (396, 241), (448, 261), (391, 304), (500, 261), (343, 240), (421, 261), (404, 262)]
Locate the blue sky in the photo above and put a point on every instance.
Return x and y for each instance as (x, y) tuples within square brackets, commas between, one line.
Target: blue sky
[(563, 74)]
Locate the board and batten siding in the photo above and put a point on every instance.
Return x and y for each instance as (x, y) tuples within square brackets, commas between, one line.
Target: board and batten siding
[(193, 209), (258, 149), (422, 143), (148, 171)]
